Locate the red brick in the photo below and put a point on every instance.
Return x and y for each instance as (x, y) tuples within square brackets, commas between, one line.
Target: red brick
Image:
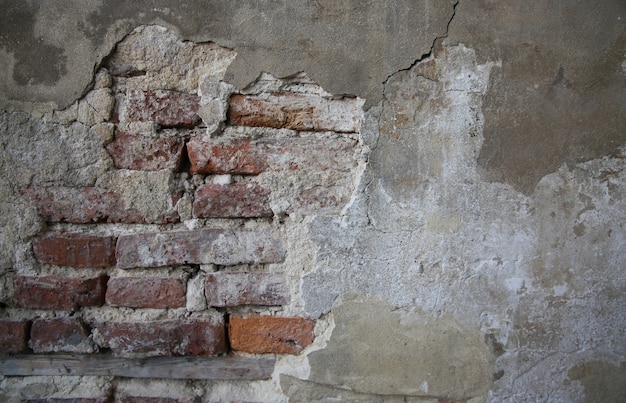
[(269, 334), (60, 335), (136, 399), (52, 292), (246, 156), (71, 400), (166, 108), (238, 200), (75, 250), (14, 335), (141, 292), (204, 246), (168, 337), (138, 152), (295, 111), (238, 288), (82, 205)]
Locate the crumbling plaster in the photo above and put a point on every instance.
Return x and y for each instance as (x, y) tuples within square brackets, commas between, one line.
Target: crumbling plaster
[(490, 211)]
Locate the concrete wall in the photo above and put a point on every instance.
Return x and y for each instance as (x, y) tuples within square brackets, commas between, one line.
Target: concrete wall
[(464, 241)]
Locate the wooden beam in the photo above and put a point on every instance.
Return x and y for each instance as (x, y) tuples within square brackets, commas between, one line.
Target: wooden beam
[(213, 368)]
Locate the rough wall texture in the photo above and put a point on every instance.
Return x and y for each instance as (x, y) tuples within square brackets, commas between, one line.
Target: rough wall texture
[(429, 206)]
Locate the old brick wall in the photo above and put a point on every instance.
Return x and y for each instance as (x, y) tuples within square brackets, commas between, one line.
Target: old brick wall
[(427, 205), (179, 244)]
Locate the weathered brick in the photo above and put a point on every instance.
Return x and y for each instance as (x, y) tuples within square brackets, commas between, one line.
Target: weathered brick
[(237, 200), (238, 288), (269, 334), (70, 400), (14, 335), (204, 246), (136, 399), (168, 337), (51, 335), (141, 292), (246, 156), (164, 107), (301, 112), (53, 292), (76, 250), (138, 152), (82, 205)]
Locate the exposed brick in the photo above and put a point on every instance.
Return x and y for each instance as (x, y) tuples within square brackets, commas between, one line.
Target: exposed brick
[(246, 156), (237, 200), (76, 250), (71, 400), (82, 205), (168, 337), (52, 292), (138, 152), (60, 335), (295, 111), (204, 246), (166, 108), (141, 292), (237, 157), (238, 288), (136, 399), (13, 335), (269, 334)]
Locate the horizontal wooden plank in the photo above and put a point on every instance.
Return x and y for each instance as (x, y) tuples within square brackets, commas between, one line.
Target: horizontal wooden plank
[(211, 368)]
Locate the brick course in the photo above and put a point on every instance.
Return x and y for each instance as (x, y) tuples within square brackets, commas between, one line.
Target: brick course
[(247, 156), (75, 250), (301, 112), (269, 334), (141, 292), (239, 288), (203, 246), (14, 335), (60, 335), (165, 108), (237, 200), (138, 152), (165, 338), (53, 292), (81, 205)]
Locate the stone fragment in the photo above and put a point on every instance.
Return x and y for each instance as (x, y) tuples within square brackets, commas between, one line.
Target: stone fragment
[(75, 250), (165, 338), (165, 108), (53, 335), (137, 152), (270, 334), (248, 156), (210, 245), (196, 301), (240, 288), (238, 200), (53, 292), (153, 194), (141, 292), (294, 111), (96, 107), (14, 335), (81, 205)]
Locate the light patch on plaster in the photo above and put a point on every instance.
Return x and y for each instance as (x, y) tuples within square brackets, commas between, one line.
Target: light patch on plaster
[(378, 349), (441, 223)]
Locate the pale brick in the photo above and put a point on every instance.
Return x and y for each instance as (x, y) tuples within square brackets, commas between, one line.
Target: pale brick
[(203, 246), (146, 292), (240, 288)]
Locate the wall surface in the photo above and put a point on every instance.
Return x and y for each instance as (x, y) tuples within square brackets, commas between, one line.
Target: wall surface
[(313, 201)]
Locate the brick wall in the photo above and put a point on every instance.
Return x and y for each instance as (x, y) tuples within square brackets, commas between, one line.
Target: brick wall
[(181, 247)]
